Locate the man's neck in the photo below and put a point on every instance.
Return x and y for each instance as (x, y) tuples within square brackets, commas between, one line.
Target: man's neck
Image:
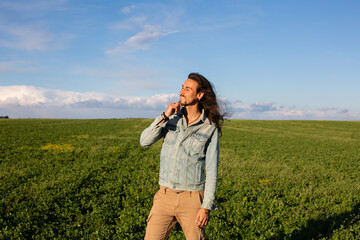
[(192, 112)]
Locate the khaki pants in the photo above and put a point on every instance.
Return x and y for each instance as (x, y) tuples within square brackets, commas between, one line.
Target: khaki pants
[(170, 207)]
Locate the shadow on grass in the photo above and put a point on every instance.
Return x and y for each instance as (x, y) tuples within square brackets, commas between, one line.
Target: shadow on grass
[(323, 228)]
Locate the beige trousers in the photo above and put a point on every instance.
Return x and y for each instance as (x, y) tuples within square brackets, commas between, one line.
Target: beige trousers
[(170, 207)]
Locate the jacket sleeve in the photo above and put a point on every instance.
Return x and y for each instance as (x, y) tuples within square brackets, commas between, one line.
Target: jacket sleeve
[(211, 167), (153, 133)]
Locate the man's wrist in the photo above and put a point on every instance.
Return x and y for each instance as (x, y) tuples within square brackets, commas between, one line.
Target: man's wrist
[(165, 118), (207, 211)]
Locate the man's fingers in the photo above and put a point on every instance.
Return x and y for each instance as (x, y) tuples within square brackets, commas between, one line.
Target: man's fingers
[(176, 106), (197, 219), (172, 108), (202, 222), (198, 223), (206, 222)]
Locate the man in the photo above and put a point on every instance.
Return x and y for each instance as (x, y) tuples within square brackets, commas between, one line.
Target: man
[(190, 129)]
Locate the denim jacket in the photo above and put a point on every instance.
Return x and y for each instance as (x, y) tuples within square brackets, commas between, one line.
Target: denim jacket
[(186, 152)]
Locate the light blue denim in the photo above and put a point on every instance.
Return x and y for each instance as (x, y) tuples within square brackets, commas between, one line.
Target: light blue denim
[(186, 152)]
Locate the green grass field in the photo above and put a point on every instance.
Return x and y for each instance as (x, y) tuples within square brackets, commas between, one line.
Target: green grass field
[(90, 179)]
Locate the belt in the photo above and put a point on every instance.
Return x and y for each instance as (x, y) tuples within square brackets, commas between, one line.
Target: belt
[(173, 190)]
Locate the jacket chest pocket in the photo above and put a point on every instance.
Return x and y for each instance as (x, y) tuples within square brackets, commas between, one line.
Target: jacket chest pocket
[(197, 144)]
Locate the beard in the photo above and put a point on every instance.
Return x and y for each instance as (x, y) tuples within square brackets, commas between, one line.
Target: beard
[(184, 102)]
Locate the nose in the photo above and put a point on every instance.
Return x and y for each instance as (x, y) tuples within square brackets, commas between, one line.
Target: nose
[(181, 91)]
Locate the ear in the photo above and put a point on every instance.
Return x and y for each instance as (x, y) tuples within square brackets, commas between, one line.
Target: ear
[(200, 95)]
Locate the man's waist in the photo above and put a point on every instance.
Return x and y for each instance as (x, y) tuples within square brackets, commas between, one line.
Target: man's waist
[(170, 189), (165, 188)]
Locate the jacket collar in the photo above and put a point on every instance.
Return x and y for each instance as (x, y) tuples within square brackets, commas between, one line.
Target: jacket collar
[(203, 117)]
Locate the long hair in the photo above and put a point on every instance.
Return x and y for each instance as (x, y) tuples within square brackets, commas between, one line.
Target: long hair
[(208, 102)]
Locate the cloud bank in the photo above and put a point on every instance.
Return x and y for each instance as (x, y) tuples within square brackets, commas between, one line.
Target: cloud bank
[(35, 102), (270, 110)]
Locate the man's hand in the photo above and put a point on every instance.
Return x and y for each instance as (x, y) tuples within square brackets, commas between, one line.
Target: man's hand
[(172, 108), (202, 217)]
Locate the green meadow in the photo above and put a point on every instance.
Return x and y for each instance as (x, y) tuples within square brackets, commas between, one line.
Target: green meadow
[(91, 179)]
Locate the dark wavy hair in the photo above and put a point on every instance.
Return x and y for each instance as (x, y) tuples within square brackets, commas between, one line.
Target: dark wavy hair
[(209, 101)]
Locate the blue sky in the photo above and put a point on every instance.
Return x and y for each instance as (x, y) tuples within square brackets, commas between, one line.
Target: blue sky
[(109, 59)]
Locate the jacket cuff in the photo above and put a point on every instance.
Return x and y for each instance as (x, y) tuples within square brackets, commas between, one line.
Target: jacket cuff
[(156, 122), (208, 205)]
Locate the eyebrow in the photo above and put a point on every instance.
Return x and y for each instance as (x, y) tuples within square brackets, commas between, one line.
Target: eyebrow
[(186, 86)]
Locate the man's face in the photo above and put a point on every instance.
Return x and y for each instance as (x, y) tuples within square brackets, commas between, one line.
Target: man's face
[(188, 93)]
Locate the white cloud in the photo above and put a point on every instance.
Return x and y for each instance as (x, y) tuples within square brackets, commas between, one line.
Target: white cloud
[(34, 96), (28, 101), (149, 24), (141, 40), (269, 110)]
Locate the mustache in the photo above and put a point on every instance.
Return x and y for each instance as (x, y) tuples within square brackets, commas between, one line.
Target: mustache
[(181, 95)]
